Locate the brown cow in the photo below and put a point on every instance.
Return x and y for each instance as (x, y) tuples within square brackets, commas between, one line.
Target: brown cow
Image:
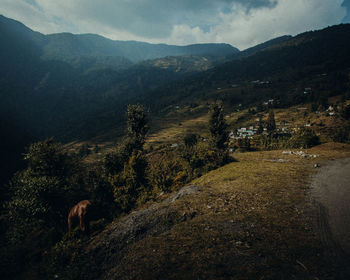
[(79, 212)]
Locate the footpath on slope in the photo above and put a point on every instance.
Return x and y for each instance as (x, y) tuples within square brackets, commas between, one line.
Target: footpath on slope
[(330, 188)]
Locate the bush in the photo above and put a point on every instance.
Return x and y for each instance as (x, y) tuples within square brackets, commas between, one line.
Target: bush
[(203, 158), (304, 138), (129, 184), (101, 194), (166, 171), (342, 135)]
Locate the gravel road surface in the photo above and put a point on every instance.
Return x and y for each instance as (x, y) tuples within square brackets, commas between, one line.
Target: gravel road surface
[(331, 191)]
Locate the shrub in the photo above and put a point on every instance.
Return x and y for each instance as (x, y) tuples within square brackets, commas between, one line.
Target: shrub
[(304, 138), (342, 135), (129, 185), (166, 171)]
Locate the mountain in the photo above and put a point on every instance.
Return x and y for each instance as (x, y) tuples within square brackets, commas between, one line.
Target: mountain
[(56, 84), (262, 46), (318, 59), (66, 46), (77, 86)]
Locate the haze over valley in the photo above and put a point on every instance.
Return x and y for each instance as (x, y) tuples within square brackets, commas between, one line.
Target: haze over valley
[(181, 140)]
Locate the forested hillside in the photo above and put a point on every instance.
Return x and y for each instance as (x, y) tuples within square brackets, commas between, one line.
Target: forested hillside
[(48, 80), (318, 59), (140, 121)]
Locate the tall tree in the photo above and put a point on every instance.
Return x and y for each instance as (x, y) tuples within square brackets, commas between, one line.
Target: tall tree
[(127, 166), (271, 124), (260, 126), (136, 130), (217, 126), (137, 127)]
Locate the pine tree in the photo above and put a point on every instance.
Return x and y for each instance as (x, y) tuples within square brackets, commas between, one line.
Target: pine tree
[(136, 127), (271, 124), (217, 126), (260, 127), (127, 166)]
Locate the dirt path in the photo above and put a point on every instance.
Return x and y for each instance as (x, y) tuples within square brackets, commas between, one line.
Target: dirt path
[(331, 191)]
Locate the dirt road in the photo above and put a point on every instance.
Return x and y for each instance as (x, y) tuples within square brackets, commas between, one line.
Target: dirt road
[(331, 191)]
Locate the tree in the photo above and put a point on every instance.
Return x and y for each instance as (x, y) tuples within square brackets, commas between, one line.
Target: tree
[(271, 124), (137, 127), (136, 131), (217, 126), (43, 192), (260, 127), (304, 138), (127, 166)]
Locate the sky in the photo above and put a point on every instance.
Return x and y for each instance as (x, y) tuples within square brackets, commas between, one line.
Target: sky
[(241, 23)]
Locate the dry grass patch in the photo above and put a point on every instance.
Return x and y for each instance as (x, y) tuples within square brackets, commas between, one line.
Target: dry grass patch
[(250, 221)]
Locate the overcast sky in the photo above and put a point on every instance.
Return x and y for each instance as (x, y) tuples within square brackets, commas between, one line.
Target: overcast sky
[(241, 23)]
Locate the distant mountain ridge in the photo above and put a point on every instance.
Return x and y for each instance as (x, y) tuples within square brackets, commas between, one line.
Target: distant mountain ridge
[(78, 86), (49, 78), (275, 66), (90, 44), (65, 46)]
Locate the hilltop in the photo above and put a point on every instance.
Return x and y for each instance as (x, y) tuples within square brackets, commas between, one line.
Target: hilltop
[(177, 202), (237, 221)]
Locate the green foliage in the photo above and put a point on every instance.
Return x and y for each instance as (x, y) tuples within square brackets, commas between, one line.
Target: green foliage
[(131, 183), (46, 159), (270, 123), (136, 126), (304, 138), (133, 142), (217, 126), (101, 194), (190, 140), (114, 161), (261, 126), (342, 135), (42, 192), (167, 171), (203, 158), (126, 166), (268, 142)]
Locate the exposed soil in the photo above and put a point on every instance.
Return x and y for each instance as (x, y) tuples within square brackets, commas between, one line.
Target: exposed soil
[(331, 191)]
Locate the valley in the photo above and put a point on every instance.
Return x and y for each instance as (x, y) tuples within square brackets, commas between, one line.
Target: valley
[(201, 161)]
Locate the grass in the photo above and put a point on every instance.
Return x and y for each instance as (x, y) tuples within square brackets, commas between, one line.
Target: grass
[(253, 220)]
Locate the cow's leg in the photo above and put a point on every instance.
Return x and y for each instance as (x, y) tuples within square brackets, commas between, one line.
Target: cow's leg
[(82, 223)]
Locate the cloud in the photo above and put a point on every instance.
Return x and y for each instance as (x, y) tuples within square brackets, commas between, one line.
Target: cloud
[(346, 4), (242, 23), (244, 27)]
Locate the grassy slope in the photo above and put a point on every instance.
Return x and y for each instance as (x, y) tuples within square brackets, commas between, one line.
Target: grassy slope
[(253, 220)]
